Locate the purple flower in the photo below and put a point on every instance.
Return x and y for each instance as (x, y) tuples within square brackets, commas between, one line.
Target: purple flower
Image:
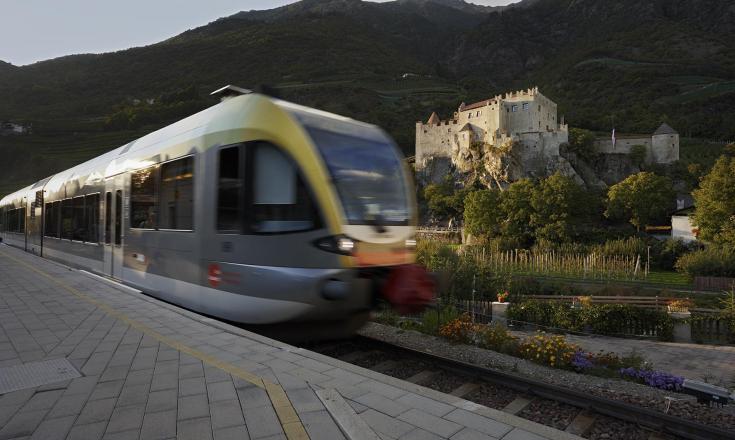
[(656, 379), (581, 361)]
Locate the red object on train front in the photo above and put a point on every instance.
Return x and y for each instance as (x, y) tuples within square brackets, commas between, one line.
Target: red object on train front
[(409, 288)]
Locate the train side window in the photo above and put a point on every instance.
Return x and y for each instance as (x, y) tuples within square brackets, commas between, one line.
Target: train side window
[(21, 220), (229, 190), (118, 217), (143, 199), (79, 225), (176, 200), (67, 219), (280, 199), (92, 208), (50, 223), (108, 218)]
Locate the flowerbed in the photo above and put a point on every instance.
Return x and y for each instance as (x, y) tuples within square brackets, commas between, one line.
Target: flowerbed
[(542, 348)]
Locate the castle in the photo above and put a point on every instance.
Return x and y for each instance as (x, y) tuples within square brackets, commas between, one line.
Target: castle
[(525, 117), (519, 134)]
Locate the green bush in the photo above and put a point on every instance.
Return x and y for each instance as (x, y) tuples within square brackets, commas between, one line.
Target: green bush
[(433, 320), (712, 261), (605, 319)]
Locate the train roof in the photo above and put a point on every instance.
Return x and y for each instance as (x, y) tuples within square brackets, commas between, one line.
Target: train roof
[(225, 115)]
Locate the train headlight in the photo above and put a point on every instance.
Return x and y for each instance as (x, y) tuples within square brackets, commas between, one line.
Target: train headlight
[(411, 243), (345, 245), (340, 244)]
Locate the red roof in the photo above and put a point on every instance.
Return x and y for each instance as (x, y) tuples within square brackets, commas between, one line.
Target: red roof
[(477, 105)]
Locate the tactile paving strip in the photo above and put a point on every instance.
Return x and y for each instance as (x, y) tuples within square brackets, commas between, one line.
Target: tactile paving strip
[(33, 374)]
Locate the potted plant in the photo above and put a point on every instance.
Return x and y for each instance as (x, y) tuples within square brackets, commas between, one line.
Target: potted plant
[(500, 307)]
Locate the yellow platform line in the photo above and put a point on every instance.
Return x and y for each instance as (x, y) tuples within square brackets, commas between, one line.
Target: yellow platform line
[(290, 421)]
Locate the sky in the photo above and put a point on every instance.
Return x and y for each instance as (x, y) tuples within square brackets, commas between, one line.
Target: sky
[(35, 30)]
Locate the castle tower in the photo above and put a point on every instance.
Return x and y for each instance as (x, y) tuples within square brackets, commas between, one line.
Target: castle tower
[(665, 145)]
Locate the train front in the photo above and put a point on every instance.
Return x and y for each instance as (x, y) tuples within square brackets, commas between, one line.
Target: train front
[(376, 241)]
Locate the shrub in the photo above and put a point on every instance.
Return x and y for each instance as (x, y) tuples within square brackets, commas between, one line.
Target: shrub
[(712, 261), (498, 338), (551, 350), (433, 320), (461, 330)]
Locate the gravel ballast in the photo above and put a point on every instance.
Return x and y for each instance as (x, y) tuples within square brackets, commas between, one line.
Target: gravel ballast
[(680, 405)]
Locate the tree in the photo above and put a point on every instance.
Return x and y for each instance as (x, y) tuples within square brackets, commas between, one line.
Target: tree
[(560, 207), (582, 143), (482, 213), (638, 155), (641, 199), (444, 201), (715, 203), (517, 210)]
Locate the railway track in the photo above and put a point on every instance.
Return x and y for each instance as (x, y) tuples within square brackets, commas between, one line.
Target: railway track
[(562, 408)]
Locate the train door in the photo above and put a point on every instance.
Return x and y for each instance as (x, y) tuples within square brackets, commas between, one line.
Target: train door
[(114, 193)]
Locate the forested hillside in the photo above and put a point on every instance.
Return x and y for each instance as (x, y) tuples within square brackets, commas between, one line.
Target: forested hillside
[(634, 62)]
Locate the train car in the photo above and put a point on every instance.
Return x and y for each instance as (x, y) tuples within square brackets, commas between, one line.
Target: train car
[(255, 210)]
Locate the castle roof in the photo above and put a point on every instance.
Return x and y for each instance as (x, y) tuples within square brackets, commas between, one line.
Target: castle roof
[(476, 105), (665, 129), (433, 119), (466, 127)]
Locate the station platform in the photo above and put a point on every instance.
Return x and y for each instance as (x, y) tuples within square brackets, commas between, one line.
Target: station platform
[(84, 358)]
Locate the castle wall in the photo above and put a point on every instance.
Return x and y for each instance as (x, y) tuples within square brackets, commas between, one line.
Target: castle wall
[(622, 145)]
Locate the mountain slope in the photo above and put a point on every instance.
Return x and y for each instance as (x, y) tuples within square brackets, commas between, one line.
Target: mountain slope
[(628, 63)]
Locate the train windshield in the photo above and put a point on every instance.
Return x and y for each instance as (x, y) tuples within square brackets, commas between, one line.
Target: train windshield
[(368, 175)]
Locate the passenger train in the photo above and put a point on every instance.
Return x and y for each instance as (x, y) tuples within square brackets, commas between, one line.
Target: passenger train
[(255, 210)]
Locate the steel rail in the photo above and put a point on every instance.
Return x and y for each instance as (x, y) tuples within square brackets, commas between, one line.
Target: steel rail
[(644, 417)]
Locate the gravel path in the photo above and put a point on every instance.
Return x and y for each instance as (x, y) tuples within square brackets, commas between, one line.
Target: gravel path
[(682, 406)]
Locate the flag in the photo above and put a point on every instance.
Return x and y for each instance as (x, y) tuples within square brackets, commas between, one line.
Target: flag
[(613, 138)]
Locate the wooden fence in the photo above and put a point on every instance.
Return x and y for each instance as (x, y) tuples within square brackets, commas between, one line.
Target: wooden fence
[(710, 327), (652, 302), (714, 283), (585, 266)]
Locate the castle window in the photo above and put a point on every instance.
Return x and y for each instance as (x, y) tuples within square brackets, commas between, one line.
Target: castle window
[(469, 116), (514, 108), (539, 108), (478, 113), (525, 106)]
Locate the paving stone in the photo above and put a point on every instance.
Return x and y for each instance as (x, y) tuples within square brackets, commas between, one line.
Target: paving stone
[(158, 426), (139, 377), (232, 433), (6, 413), (164, 382), (106, 390), (162, 401), (133, 395), (97, 411), (262, 422), (16, 398), (44, 400), (479, 423), (93, 431), (191, 370), (304, 400), (253, 397), (192, 407), (68, 405), (22, 424), (425, 404), (382, 404), (430, 422), (125, 435), (127, 418), (420, 434), (194, 429), (520, 434), (54, 429), (195, 385), (319, 424), (226, 413), (384, 424), (221, 391)]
